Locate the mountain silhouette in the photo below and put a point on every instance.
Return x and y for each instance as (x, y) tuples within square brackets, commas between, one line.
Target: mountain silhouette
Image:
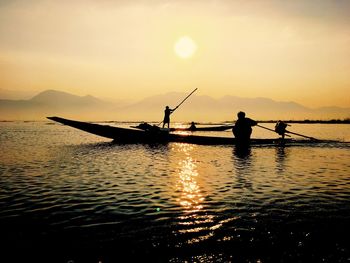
[(53, 102), (199, 108), (54, 97), (203, 108)]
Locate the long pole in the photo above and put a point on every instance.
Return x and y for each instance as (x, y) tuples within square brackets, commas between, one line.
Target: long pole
[(265, 128), (181, 102), (269, 129), (312, 138), (185, 99)]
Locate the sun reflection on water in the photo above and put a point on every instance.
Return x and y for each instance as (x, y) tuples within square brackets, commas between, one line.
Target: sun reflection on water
[(191, 198), (196, 223)]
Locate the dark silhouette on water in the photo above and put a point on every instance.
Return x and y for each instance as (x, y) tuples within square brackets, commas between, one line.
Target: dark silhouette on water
[(243, 129), (281, 154), (242, 151), (147, 127), (167, 113), (130, 135), (280, 128), (193, 126), (242, 164)]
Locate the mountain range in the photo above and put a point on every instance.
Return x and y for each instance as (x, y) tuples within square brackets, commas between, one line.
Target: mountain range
[(197, 108)]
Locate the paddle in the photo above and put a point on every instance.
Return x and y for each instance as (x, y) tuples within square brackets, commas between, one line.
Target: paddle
[(311, 138), (181, 103), (269, 129)]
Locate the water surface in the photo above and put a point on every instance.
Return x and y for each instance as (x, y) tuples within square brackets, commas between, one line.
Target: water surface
[(81, 198)]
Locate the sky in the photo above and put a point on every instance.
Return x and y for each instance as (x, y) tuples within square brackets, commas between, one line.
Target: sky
[(284, 50)]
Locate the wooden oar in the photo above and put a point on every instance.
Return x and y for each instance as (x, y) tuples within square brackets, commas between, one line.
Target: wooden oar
[(311, 138), (269, 129)]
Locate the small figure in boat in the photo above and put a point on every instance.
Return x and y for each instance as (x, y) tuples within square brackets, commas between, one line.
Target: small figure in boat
[(280, 128), (243, 128), (193, 126), (167, 113)]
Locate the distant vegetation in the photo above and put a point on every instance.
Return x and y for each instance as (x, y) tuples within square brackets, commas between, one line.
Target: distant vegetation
[(333, 121)]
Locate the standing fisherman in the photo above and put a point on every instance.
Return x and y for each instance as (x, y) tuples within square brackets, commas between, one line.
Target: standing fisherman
[(167, 113)]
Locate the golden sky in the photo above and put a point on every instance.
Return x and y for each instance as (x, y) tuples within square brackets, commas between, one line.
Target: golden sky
[(285, 50)]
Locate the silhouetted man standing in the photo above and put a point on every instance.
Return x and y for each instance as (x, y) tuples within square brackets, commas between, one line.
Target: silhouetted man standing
[(167, 113)]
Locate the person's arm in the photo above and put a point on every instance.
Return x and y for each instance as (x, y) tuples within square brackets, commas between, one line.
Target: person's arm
[(253, 122), (171, 110)]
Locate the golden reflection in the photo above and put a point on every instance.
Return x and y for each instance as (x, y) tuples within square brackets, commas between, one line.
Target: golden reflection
[(195, 223), (181, 129), (191, 198)]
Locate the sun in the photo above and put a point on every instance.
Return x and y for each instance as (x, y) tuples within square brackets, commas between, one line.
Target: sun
[(185, 47)]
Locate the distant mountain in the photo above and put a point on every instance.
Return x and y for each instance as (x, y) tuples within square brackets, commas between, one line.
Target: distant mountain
[(204, 108), (59, 98), (199, 108), (53, 102)]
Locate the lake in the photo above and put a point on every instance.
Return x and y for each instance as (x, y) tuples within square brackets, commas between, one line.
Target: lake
[(68, 196)]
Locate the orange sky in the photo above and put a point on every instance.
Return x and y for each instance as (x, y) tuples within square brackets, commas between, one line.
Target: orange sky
[(285, 50)]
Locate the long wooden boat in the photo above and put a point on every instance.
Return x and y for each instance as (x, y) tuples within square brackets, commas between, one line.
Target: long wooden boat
[(130, 135)]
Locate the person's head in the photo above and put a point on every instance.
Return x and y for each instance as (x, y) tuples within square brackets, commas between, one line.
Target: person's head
[(167, 107), (241, 115)]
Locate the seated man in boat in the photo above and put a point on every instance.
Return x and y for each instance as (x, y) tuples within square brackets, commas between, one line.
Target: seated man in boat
[(280, 128), (167, 113), (193, 126), (243, 128)]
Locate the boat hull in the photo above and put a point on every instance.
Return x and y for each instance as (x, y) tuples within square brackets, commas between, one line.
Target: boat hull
[(128, 135), (118, 134), (210, 128)]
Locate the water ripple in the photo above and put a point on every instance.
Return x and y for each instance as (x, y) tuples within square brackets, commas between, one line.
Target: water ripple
[(174, 202)]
